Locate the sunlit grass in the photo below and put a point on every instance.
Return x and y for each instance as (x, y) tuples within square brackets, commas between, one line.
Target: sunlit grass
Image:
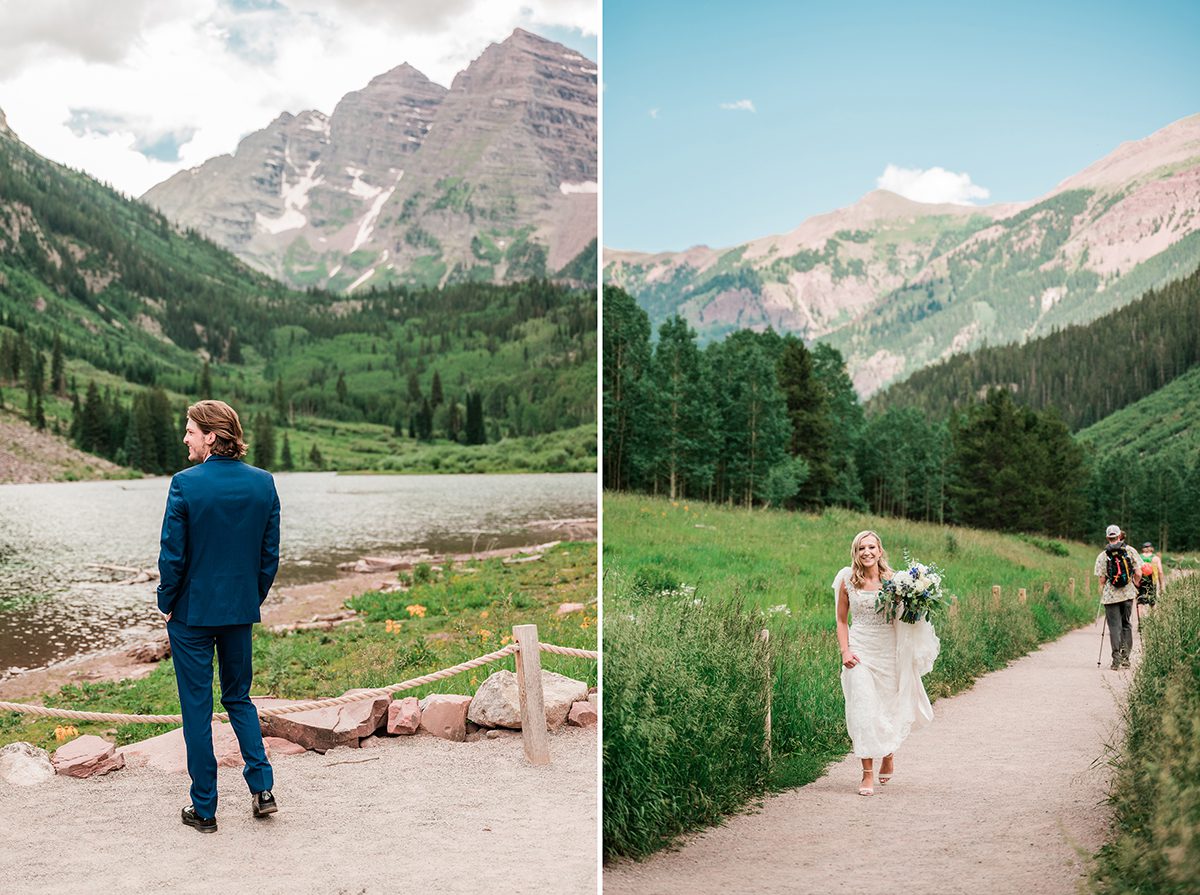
[(689, 588)]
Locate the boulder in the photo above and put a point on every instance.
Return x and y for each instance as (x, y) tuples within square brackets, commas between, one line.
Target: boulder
[(24, 764), (280, 746), (152, 651), (327, 728), (568, 608), (404, 716), (582, 714), (497, 701), (167, 751), (87, 755), (445, 715)]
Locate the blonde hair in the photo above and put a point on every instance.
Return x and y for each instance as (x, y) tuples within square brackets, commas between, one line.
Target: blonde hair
[(222, 420), (857, 569)]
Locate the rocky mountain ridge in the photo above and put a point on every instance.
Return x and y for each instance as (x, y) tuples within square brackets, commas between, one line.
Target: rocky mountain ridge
[(897, 284), (407, 181)]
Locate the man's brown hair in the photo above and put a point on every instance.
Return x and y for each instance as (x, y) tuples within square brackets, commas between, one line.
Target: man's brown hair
[(222, 420)]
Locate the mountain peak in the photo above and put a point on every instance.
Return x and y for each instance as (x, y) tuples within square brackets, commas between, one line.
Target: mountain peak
[(1164, 151), (400, 76), (4, 128)]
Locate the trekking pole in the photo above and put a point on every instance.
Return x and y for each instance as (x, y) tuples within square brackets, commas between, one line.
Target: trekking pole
[(1101, 653)]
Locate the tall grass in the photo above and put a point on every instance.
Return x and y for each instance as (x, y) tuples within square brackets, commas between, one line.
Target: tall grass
[(688, 589), (1154, 844)]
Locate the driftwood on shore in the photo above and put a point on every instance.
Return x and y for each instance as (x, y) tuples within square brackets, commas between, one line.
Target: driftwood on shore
[(139, 576)]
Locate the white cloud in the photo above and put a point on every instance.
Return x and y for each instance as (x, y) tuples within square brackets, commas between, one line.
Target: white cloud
[(120, 88), (932, 185), (654, 113), (742, 105)]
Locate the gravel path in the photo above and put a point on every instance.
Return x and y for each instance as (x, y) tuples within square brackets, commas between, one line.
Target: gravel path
[(1004, 793), (412, 814)]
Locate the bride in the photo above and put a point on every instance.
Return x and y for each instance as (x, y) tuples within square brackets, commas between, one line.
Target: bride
[(882, 663)]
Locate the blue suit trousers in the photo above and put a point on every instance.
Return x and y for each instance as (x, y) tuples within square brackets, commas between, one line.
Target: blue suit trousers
[(192, 652)]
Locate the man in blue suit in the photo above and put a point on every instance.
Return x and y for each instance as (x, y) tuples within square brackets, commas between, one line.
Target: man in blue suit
[(218, 557)]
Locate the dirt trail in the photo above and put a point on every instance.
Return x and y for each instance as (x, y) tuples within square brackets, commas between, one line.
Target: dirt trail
[(1004, 793), (412, 814)]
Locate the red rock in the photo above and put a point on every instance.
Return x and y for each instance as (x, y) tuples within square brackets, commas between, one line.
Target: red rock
[(325, 729), (445, 715), (404, 716), (87, 755), (167, 752), (280, 746), (582, 714)]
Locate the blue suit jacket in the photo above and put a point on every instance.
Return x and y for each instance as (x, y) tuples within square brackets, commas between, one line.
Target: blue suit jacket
[(220, 543)]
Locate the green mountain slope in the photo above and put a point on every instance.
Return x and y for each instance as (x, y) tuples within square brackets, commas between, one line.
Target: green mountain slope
[(97, 288), (1161, 426), (1086, 372)]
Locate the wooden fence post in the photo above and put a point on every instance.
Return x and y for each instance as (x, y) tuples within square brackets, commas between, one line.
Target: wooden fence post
[(529, 691), (1071, 586), (995, 596), (765, 636), (1022, 596)]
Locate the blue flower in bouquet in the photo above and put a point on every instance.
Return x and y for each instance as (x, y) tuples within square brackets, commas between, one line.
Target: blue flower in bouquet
[(912, 594)]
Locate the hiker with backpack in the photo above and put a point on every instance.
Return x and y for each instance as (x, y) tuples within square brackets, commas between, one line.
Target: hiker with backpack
[(1119, 568), (1152, 576)]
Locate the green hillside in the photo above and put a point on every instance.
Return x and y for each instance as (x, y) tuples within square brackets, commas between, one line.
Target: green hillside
[(96, 288), (1162, 425), (1085, 372)]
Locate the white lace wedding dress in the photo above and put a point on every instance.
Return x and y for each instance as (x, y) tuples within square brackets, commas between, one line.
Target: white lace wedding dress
[(885, 699)]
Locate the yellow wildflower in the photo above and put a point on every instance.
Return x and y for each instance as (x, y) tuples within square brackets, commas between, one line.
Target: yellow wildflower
[(483, 614), (415, 609), (484, 634), (65, 732)]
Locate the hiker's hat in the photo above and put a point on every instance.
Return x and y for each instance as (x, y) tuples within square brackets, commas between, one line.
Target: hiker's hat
[(1148, 544), (1113, 531)]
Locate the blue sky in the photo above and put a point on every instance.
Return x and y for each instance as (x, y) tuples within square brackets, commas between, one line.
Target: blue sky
[(1013, 97)]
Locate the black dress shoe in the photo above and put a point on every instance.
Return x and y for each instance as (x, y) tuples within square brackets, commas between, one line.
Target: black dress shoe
[(263, 803), (203, 824)]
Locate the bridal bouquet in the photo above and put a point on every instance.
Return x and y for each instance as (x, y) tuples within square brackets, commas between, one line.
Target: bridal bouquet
[(913, 593)]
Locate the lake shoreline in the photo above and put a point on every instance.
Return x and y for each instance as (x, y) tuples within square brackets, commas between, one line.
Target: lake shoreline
[(291, 605)]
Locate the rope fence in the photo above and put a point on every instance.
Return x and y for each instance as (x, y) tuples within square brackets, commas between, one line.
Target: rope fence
[(526, 640)]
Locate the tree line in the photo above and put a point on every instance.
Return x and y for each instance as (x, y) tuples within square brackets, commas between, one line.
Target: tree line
[(761, 419)]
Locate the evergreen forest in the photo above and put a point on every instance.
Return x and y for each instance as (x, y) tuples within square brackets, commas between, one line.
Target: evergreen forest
[(988, 440)]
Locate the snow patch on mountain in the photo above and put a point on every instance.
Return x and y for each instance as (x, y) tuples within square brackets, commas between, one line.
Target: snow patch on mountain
[(367, 224)]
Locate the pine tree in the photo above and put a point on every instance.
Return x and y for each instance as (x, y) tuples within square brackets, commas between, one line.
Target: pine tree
[(206, 386), (811, 420), (93, 426), (39, 415), (264, 441), (342, 391), (58, 378), (233, 353), (436, 398), (315, 458), (414, 389), (683, 415), (280, 403), (627, 433), (285, 460), (476, 431)]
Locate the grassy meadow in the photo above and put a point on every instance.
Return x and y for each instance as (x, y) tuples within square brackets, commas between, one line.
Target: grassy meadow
[(1154, 843), (445, 617), (688, 588)]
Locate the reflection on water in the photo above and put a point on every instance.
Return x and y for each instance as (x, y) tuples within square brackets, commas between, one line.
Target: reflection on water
[(53, 605)]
